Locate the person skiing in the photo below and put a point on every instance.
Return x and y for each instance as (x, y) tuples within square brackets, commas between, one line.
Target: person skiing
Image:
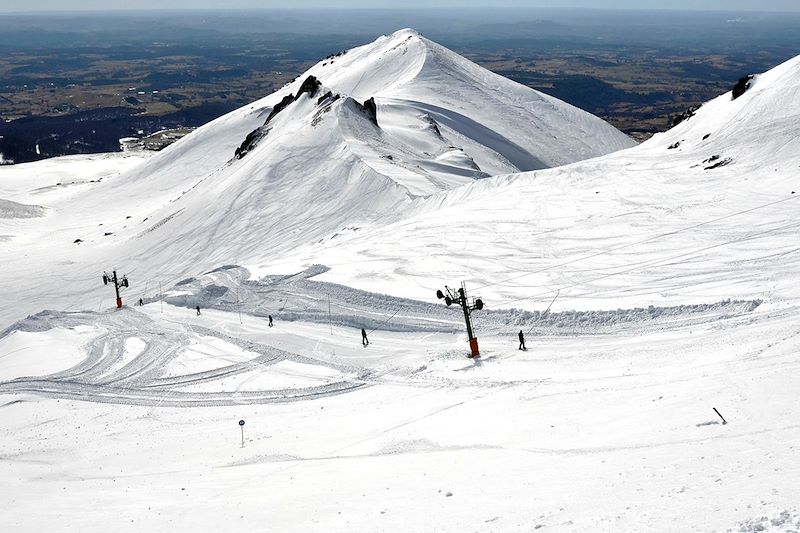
[(270, 320), (522, 341), (364, 339), (198, 310), (141, 302)]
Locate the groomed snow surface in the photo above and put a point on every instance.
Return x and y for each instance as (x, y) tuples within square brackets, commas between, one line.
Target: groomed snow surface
[(670, 272)]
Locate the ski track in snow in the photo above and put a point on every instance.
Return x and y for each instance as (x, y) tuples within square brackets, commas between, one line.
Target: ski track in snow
[(141, 381), (110, 374)]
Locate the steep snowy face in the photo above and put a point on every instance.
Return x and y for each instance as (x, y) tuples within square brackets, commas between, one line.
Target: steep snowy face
[(442, 121), (407, 116), (755, 124), (470, 101)]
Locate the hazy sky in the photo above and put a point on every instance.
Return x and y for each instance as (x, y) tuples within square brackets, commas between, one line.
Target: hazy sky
[(726, 5)]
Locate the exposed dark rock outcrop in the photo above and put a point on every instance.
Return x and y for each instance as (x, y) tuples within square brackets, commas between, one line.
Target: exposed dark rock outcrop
[(434, 125), (327, 98), (686, 115), (716, 161), (324, 104), (337, 54), (372, 110), (367, 109), (255, 136), (309, 86), (283, 104), (250, 141), (741, 86)]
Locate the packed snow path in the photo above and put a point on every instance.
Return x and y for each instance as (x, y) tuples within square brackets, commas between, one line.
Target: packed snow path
[(141, 359), (300, 297)]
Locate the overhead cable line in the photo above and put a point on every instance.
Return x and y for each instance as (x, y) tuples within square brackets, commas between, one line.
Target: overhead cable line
[(656, 262), (628, 245)]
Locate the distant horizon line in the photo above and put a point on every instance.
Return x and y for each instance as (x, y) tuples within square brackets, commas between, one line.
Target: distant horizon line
[(387, 9)]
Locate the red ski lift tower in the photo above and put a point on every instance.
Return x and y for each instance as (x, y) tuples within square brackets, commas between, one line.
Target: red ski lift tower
[(117, 284), (460, 297)]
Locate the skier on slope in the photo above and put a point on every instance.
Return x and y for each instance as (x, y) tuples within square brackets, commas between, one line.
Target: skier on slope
[(364, 339), (522, 341), (270, 320), (198, 310)]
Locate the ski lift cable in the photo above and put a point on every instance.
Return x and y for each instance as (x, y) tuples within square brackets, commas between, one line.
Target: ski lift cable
[(656, 262), (642, 241), (558, 292), (386, 321)]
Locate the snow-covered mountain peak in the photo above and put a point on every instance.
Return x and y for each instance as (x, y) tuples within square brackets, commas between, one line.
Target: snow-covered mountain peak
[(351, 143), (440, 121), (407, 68)]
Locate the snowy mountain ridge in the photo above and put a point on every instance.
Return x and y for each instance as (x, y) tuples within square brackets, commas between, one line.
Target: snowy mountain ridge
[(656, 288)]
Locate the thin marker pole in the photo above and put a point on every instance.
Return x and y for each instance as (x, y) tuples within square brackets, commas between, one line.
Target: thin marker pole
[(238, 307)]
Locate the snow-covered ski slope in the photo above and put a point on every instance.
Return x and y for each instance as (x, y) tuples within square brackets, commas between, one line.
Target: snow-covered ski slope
[(676, 268)]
